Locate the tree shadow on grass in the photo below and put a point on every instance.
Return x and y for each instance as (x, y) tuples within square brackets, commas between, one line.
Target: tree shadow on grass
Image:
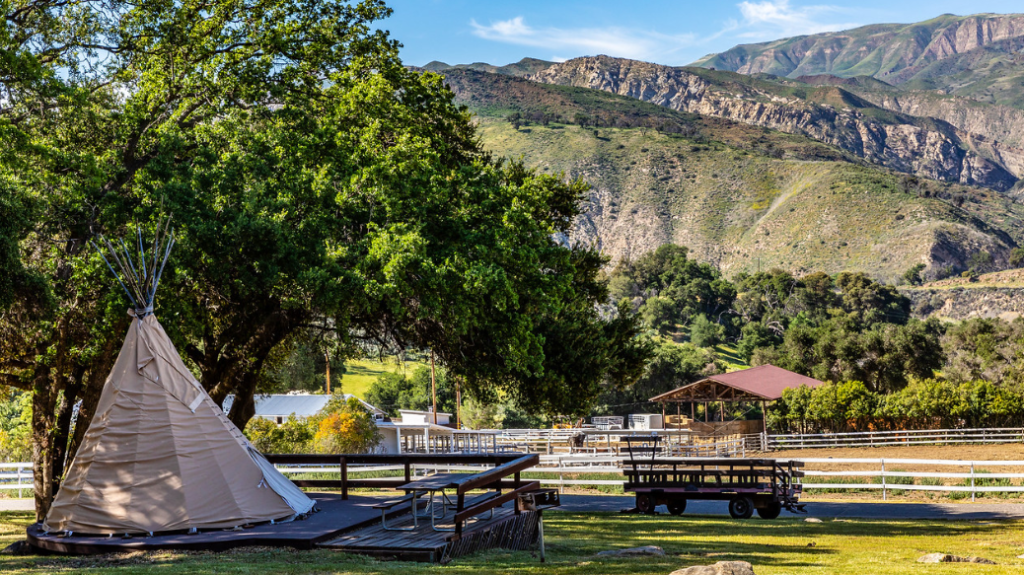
[(782, 543)]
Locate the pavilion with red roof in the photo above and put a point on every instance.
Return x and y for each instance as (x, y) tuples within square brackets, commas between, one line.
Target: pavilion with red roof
[(763, 384)]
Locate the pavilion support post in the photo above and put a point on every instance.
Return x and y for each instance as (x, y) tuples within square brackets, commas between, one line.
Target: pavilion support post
[(679, 417), (693, 411), (764, 416), (706, 420)]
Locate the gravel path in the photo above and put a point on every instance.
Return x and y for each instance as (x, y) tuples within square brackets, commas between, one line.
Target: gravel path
[(17, 504), (853, 509)]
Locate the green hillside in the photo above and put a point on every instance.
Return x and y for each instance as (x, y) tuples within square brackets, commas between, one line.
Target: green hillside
[(740, 196), (743, 210), (361, 373)]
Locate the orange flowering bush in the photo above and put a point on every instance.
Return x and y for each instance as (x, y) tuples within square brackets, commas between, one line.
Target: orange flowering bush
[(346, 427)]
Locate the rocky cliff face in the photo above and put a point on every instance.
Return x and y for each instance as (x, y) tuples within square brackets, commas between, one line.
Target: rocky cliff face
[(894, 53), (995, 132), (926, 148), (967, 303)]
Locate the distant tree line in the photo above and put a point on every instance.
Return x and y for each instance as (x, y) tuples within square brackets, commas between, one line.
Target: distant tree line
[(845, 328)]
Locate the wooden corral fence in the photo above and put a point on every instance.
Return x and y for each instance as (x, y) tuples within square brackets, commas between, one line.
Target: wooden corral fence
[(896, 438), (676, 442)]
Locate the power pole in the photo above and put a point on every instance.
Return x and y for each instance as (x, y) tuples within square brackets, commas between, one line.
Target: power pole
[(458, 404), (327, 356), (433, 385)]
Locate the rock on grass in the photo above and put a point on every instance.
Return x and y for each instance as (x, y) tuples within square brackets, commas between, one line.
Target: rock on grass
[(646, 550), (946, 558), (720, 568)]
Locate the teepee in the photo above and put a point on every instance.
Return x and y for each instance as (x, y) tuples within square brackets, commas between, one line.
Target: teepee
[(159, 454)]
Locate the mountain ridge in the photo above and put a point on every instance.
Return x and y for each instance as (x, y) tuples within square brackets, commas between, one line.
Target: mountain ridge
[(740, 196), (921, 146)]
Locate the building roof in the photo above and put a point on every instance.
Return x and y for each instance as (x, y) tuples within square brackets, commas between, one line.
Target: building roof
[(764, 382), (283, 405)]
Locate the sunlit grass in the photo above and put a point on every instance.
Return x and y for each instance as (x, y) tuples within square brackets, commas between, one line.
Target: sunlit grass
[(783, 546)]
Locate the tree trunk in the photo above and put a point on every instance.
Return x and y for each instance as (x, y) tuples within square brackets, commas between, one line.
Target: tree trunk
[(42, 452)]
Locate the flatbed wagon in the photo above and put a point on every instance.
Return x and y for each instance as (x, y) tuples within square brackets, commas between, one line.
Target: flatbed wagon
[(764, 486)]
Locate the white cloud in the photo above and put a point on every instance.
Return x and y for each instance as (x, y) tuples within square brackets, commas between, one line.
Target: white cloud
[(777, 19), (758, 20), (613, 41)]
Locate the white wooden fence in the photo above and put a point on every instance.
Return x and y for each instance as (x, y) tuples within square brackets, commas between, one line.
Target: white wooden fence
[(892, 474), (16, 477), (896, 438)]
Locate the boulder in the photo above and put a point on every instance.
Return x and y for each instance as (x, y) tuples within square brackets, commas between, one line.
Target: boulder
[(646, 550), (720, 568), (947, 558)]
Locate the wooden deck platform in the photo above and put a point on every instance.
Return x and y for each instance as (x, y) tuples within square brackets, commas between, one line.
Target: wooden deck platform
[(505, 530), (334, 518)]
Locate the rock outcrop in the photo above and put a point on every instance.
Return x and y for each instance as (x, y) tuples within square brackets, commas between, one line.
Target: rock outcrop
[(645, 551), (925, 147), (720, 568), (946, 558)]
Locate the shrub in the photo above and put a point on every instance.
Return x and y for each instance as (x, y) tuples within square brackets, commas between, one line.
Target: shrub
[(705, 333), (346, 427)]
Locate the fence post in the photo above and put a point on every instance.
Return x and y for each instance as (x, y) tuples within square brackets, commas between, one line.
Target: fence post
[(884, 495), (19, 482), (743, 447), (972, 482)]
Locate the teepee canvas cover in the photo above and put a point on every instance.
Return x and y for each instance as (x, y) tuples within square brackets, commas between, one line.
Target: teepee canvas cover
[(160, 455)]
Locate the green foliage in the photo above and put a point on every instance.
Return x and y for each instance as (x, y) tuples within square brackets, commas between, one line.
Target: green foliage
[(675, 289), (982, 348), (15, 427), (342, 426), (913, 274), (883, 356), (394, 391), (292, 436), (480, 415), (923, 404), (346, 426), (659, 314), (316, 185), (673, 365), (980, 262), (1017, 257), (705, 333), (752, 336)]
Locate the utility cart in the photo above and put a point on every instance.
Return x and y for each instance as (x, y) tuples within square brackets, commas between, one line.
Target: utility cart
[(766, 486)]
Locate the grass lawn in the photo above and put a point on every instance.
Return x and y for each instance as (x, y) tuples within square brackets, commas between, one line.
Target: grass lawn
[(784, 546), (361, 373)]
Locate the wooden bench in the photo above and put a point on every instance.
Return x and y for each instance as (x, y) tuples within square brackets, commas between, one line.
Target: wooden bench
[(476, 500), (386, 506)]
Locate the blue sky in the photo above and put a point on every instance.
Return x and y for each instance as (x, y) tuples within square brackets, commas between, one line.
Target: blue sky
[(668, 32)]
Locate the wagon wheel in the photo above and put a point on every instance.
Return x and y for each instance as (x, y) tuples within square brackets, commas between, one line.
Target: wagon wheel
[(741, 508), (771, 512), (645, 503), (676, 506)]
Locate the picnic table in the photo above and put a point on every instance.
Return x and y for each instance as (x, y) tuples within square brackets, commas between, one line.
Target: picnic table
[(439, 483)]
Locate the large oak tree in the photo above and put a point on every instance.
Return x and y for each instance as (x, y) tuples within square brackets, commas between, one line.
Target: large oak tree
[(316, 186)]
